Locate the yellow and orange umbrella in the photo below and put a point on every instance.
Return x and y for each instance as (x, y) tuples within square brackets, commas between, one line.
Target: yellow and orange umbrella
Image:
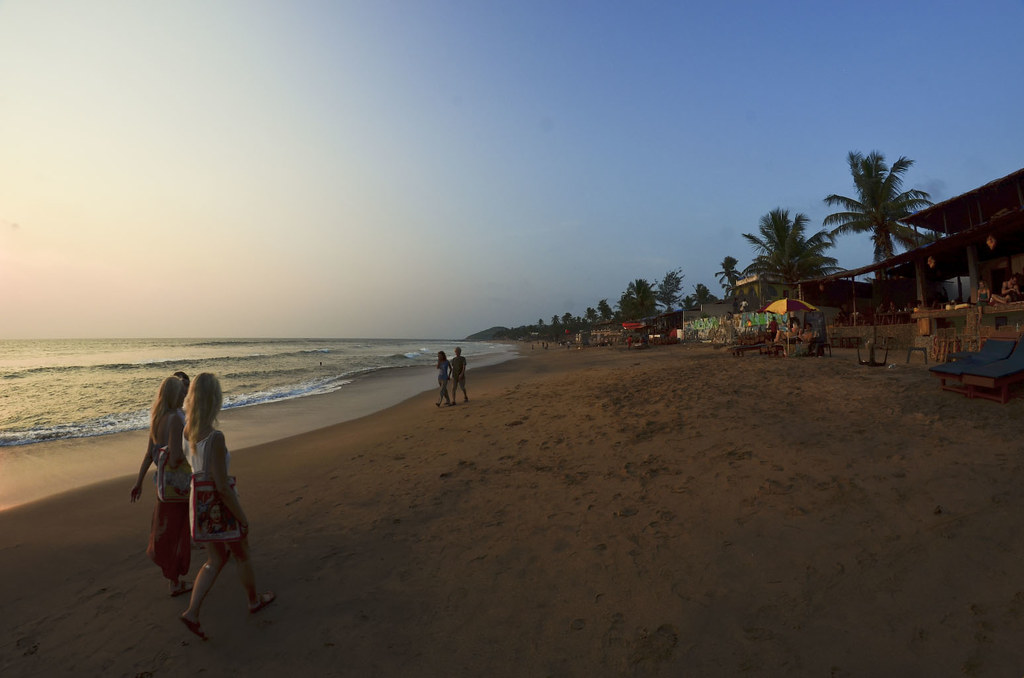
[(787, 305)]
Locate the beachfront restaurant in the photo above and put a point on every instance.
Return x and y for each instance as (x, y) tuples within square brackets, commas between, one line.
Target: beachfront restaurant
[(928, 297)]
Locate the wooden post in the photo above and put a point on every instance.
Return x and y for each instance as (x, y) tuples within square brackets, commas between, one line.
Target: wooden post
[(972, 268), (919, 274), (853, 294)]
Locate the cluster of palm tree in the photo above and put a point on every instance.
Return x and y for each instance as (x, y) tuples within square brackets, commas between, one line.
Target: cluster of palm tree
[(783, 248)]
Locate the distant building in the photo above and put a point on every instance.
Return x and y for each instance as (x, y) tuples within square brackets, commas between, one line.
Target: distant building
[(757, 292)]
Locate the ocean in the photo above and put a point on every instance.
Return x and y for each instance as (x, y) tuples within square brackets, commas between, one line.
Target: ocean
[(57, 389), (56, 396)]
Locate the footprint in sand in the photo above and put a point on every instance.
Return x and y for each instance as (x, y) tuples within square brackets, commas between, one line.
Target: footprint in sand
[(29, 645), (655, 647)]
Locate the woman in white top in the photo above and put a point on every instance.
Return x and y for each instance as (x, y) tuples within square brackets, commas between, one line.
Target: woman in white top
[(210, 456)]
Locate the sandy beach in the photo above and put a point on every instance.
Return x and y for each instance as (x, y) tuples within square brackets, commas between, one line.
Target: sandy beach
[(667, 512)]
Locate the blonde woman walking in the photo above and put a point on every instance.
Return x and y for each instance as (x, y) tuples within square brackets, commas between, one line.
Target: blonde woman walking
[(210, 457), (170, 545)]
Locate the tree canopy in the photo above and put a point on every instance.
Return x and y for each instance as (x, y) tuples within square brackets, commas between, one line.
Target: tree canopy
[(668, 289), (728, 276), (639, 300), (879, 206), (701, 296), (783, 251)]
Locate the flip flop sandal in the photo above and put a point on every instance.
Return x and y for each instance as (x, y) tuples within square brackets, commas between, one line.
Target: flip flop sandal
[(186, 587), (265, 599), (194, 627)]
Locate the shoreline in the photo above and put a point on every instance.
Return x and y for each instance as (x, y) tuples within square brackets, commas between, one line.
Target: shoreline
[(41, 470), (600, 512)]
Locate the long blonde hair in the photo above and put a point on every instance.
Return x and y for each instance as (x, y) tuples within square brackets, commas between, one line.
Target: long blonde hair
[(168, 399), (202, 404)]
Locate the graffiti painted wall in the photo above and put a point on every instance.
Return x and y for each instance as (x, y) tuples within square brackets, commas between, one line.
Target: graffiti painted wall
[(724, 329)]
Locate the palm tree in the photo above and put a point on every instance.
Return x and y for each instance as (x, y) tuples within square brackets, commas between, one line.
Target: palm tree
[(783, 251), (701, 296), (880, 204), (728, 276), (591, 315), (667, 293), (639, 300), (605, 309)]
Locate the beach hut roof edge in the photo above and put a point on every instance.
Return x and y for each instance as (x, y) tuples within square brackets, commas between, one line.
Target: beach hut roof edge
[(1006, 222), (972, 208)]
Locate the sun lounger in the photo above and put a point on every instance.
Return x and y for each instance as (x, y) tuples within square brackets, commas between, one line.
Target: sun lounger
[(993, 350), (993, 381)]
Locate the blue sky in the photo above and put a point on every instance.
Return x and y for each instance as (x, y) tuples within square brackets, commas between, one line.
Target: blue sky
[(430, 169)]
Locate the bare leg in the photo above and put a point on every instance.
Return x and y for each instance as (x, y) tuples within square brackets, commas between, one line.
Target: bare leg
[(208, 573), (240, 550)]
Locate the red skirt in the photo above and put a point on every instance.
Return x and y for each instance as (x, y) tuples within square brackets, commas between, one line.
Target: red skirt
[(170, 542)]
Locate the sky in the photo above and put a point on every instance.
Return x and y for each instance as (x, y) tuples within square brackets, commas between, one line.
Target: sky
[(428, 168)]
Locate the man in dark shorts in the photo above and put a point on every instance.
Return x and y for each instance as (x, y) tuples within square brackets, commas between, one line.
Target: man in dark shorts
[(459, 375)]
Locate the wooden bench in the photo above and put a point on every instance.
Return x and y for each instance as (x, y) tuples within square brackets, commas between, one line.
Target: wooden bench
[(738, 351)]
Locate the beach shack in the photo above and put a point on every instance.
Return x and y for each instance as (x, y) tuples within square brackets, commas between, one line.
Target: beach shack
[(928, 296), (753, 292)]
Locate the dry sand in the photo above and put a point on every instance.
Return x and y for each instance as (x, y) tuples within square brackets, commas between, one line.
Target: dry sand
[(668, 512)]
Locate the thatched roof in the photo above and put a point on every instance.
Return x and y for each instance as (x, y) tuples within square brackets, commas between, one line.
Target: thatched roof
[(974, 208)]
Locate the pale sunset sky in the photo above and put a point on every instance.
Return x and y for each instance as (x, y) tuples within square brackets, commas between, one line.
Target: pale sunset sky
[(427, 168)]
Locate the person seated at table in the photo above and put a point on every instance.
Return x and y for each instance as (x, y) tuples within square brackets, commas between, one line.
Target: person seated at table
[(840, 317), (782, 336), (773, 329), (810, 339), (1011, 289), (984, 296), (808, 334)]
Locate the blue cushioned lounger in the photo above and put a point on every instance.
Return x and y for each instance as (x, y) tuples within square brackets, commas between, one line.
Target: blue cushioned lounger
[(994, 379), (993, 350)]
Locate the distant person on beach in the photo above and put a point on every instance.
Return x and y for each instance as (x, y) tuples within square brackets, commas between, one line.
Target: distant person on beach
[(210, 458), (444, 371), (459, 375), (170, 544)]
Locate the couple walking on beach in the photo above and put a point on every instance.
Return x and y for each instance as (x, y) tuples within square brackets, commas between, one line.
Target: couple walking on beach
[(184, 417), (455, 372)]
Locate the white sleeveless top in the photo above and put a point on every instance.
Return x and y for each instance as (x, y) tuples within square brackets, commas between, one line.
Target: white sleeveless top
[(199, 457)]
